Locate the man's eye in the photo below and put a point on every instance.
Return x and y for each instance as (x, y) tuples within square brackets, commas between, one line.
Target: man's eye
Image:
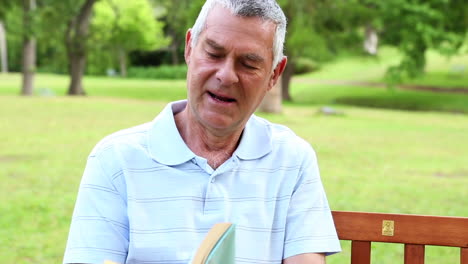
[(250, 67), (213, 55)]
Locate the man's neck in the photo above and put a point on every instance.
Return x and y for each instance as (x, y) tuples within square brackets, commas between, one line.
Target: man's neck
[(215, 146)]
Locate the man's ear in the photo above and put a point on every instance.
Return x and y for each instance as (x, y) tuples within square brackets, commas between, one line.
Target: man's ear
[(277, 72), (188, 45)]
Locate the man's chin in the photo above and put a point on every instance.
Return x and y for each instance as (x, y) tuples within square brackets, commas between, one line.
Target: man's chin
[(221, 123)]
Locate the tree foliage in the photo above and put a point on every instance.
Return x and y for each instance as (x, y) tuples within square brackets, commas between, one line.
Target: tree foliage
[(178, 16), (121, 26), (323, 29), (5, 5), (319, 30), (416, 26)]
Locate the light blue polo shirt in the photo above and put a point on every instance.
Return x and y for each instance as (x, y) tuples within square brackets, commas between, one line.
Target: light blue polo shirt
[(145, 197)]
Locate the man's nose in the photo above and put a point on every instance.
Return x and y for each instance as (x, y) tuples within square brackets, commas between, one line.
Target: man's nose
[(226, 73)]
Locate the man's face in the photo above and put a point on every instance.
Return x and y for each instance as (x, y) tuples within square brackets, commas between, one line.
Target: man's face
[(229, 69)]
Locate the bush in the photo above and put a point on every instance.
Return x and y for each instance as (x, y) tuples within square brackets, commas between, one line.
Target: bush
[(171, 72), (305, 65)]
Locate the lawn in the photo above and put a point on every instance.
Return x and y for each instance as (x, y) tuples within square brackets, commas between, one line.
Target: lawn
[(47, 84), (440, 71)]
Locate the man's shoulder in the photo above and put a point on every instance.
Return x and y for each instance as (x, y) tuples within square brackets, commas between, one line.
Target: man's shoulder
[(283, 138), (280, 133), (129, 137)]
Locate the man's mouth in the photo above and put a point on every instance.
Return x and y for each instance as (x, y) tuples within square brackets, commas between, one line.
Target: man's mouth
[(221, 98)]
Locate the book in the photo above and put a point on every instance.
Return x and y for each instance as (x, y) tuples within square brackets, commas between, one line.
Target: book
[(110, 262), (218, 247)]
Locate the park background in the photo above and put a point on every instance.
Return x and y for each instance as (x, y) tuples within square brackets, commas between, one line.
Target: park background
[(379, 88)]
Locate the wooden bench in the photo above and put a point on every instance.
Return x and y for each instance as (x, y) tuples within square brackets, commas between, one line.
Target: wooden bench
[(414, 231)]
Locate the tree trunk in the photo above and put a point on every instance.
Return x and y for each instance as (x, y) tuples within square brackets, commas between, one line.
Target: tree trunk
[(272, 101), (29, 62), (286, 80), (75, 40), (77, 66), (173, 47), (3, 49), (29, 49), (174, 54), (372, 41), (123, 62)]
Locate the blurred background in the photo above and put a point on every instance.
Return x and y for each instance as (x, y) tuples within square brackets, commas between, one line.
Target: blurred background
[(379, 88)]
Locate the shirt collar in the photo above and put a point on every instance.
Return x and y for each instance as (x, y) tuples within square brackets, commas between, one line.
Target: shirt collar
[(166, 145), (256, 139)]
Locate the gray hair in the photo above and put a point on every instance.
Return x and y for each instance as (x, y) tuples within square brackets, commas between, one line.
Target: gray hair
[(265, 9)]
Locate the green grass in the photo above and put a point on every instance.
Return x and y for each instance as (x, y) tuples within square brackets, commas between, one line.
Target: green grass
[(371, 160), (441, 71), (99, 86), (304, 91), (445, 79), (367, 68), (308, 92)]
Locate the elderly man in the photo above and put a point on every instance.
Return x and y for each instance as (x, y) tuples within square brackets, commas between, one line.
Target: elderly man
[(150, 194)]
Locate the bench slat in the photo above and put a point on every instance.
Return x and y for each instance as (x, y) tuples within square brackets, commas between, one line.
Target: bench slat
[(414, 254), (464, 255), (407, 229), (360, 252)]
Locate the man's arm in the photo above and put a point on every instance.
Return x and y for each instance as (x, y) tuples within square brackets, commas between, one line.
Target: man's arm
[(309, 224), (99, 227), (308, 258)]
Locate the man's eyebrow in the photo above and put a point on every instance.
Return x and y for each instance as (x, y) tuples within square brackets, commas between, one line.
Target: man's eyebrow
[(254, 57), (214, 45), (249, 56)]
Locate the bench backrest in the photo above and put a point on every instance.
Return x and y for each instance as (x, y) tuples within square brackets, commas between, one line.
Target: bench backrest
[(414, 231)]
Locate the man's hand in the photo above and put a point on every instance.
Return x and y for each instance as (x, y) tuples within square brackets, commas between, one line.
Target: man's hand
[(308, 258)]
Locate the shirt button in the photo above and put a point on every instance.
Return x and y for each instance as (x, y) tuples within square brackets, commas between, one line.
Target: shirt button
[(213, 180)]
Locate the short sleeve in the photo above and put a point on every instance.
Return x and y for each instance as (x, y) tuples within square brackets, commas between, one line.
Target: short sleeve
[(99, 227), (309, 226)]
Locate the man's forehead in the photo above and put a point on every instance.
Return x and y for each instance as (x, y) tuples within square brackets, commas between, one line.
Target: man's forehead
[(217, 35)]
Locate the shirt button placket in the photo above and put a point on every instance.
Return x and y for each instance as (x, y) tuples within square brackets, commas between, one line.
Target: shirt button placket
[(210, 204)]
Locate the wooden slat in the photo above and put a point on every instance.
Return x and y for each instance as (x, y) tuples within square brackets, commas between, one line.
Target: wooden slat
[(408, 229), (360, 252), (414, 254), (464, 255)]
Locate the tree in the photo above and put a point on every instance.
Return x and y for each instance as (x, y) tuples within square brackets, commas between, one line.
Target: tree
[(319, 30), (123, 26), (4, 5), (71, 19), (271, 103), (26, 30), (416, 26), (76, 37), (12, 17), (29, 47), (177, 22), (322, 29), (3, 49)]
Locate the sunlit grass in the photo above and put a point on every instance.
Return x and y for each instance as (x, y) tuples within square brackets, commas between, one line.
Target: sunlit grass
[(440, 71), (304, 91), (311, 93)]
